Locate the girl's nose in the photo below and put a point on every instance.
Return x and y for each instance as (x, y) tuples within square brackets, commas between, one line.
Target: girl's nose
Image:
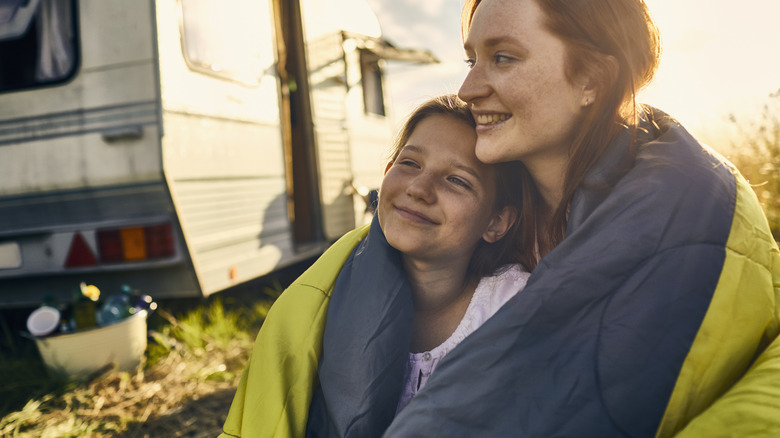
[(422, 188)]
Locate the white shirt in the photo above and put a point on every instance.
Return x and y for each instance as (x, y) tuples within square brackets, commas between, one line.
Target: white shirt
[(491, 293)]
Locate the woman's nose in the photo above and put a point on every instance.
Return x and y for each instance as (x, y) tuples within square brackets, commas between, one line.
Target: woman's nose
[(474, 86)]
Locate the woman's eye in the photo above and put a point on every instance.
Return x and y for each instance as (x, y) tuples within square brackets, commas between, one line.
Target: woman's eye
[(499, 58), (470, 62)]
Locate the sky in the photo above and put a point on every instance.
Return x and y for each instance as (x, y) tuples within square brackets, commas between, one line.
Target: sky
[(718, 59)]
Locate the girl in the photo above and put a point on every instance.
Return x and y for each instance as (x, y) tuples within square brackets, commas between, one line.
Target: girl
[(654, 307), (437, 262)]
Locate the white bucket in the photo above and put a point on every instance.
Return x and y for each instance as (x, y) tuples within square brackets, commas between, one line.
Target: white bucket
[(86, 351)]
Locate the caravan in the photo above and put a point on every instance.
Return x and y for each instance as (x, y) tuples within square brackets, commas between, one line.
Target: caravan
[(183, 146)]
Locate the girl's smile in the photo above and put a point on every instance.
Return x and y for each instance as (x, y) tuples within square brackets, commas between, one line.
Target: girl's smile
[(437, 199)]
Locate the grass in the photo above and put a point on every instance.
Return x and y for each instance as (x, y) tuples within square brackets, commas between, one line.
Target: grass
[(195, 355), (755, 150)]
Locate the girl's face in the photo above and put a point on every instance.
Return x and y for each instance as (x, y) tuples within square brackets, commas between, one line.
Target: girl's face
[(437, 200), (525, 107)]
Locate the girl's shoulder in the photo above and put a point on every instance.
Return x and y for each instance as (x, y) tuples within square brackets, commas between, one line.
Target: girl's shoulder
[(494, 291), (502, 285)]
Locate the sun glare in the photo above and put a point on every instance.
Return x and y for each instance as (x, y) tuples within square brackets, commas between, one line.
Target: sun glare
[(719, 57), (717, 60)]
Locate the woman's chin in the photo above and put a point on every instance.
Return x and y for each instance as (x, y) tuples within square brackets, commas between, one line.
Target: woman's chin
[(489, 152)]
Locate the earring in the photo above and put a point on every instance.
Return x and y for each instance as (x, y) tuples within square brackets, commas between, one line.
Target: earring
[(587, 98)]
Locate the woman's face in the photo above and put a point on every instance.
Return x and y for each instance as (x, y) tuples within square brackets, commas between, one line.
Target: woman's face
[(524, 105), (437, 200)]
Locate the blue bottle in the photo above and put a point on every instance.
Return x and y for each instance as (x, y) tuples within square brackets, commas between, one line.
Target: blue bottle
[(116, 307)]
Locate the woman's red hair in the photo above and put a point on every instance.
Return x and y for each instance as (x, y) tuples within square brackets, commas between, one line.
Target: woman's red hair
[(615, 45)]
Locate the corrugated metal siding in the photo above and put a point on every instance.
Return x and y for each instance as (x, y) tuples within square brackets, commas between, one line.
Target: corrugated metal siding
[(333, 156), (227, 182), (234, 225), (329, 107)]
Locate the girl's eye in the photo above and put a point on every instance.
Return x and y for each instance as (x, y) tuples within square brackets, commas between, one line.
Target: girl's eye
[(470, 62), (408, 162), (459, 182)]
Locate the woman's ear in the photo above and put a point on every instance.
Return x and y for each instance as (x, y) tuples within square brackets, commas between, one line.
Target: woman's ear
[(500, 224), (604, 73), (588, 96)]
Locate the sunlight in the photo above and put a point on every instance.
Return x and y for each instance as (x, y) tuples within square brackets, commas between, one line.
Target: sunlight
[(717, 60)]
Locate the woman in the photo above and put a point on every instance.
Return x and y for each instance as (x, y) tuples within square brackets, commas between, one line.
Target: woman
[(653, 309)]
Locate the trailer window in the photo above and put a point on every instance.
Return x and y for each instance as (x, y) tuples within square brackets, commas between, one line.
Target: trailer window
[(223, 41), (373, 91), (40, 36)]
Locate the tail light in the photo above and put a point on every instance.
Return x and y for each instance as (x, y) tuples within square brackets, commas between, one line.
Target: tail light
[(109, 246), (130, 244), (159, 241), (133, 243)]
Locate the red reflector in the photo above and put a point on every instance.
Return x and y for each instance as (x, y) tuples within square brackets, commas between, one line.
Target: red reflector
[(79, 253), (109, 246), (159, 241)]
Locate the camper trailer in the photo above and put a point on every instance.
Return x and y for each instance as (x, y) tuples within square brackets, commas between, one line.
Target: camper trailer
[(183, 146)]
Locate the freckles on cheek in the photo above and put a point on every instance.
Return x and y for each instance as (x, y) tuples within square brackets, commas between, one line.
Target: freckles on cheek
[(523, 95), (523, 107)]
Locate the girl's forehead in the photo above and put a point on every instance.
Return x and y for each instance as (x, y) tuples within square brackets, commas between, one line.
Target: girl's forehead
[(449, 141), (444, 128)]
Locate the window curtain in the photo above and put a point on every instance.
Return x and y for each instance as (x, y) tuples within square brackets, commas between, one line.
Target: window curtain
[(55, 36)]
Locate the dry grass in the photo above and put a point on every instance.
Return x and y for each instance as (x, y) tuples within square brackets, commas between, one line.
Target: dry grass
[(184, 389), (182, 395)]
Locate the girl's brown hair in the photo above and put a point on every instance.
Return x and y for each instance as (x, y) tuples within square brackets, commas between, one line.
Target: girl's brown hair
[(510, 177), (616, 45)]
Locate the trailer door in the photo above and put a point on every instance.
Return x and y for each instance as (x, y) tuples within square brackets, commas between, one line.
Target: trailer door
[(298, 131)]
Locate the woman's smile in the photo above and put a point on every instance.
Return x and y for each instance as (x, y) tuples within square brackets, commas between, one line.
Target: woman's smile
[(525, 106), (491, 119)]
